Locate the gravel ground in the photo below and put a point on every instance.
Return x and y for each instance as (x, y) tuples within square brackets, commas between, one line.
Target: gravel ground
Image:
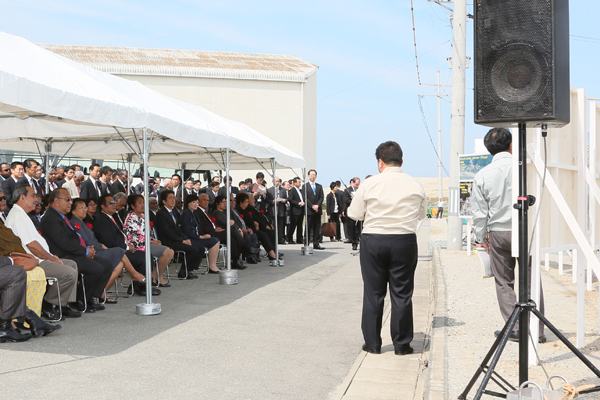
[(473, 316)]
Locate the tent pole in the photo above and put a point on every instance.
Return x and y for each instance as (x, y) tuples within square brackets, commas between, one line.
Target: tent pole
[(228, 276), (48, 148), (306, 249), (277, 260), (147, 308)]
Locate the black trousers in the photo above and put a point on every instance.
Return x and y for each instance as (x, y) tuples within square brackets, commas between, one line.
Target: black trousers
[(193, 255), (296, 225), (388, 259), (267, 239), (354, 230), (314, 229), (96, 273), (281, 229), (13, 284)]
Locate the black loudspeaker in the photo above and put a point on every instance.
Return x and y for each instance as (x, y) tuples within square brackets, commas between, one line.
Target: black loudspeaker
[(522, 62)]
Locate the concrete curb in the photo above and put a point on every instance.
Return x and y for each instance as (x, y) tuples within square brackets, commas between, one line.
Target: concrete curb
[(437, 374)]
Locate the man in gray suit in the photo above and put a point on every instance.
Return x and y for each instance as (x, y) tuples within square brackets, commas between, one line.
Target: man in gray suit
[(13, 282)]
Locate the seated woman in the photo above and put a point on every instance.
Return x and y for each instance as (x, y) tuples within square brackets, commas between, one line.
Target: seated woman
[(90, 217), (190, 226), (219, 218), (115, 255), (134, 228), (243, 208)]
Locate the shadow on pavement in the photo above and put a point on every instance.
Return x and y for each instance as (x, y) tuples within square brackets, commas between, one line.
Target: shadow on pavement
[(118, 327)]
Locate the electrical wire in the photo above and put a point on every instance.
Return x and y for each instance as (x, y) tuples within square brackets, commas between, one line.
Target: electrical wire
[(412, 11), (380, 75), (430, 138)]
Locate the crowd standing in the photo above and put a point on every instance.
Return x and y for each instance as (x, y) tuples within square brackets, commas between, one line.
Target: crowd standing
[(84, 232)]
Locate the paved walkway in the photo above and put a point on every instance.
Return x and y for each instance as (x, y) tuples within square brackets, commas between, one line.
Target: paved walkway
[(387, 376), (281, 333)]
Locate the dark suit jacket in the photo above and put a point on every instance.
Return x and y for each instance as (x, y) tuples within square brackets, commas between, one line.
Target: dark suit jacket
[(234, 189), (314, 198), (62, 240), (190, 224), (24, 181), (89, 190), (205, 225), (294, 199), (108, 233), (8, 187), (248, 216), (178, 192), (168, 231), (280, 206), (331, 203), (116, 187), (347, 197), (259, 217)]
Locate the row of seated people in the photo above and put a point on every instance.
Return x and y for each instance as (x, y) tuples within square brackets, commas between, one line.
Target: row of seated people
[(99, 246)]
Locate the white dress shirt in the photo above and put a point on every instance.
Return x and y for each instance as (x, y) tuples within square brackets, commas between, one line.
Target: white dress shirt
[(23, 227), (391, 203)]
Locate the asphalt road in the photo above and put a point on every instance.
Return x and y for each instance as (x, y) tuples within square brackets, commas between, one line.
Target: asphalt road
[(291, 332)]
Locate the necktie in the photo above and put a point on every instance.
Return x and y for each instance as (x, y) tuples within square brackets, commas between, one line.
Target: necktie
[(314, 189), (172, 216), (81, 241), (36, 187), (99, 187)]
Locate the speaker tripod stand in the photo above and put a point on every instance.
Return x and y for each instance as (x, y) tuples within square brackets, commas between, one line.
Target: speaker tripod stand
[(523, 308)]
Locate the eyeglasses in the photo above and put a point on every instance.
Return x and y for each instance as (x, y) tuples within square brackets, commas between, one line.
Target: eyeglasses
[(82, 208), (112, 202), (5, 170), (68, 199), (2, 198)]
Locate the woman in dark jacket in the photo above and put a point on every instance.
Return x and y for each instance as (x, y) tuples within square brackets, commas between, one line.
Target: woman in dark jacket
[(242, 201), (190, 226), (115, 255)]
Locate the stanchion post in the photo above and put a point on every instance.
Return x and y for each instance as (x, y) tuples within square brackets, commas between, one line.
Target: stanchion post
[(147, 308)]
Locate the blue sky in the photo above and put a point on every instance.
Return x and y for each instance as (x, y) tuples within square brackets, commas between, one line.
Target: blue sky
[(367, 80)]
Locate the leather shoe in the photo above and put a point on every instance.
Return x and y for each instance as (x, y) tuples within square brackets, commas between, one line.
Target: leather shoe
[(10, 334), (238, 265), (68, 312), (37, 326), (251, 260), (370, 350), (404, 350), (514, 335), (318, 247), (164, 285), (92, 305), (81, 307), (354, 246), (210, 271), (51, 314)]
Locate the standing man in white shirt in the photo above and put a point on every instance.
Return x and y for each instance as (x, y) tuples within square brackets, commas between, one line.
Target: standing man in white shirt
[(440, 212), (390, 204), (492, 204)]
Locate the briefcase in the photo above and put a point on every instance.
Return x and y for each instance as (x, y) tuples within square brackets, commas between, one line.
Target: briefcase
[(329, 229)]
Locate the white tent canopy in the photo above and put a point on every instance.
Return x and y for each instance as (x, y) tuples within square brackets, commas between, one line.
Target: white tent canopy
[(90, 113)]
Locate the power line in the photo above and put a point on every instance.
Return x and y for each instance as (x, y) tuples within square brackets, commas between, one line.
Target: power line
[(412, 11), (430, 138), (385, 73), (439, 157)]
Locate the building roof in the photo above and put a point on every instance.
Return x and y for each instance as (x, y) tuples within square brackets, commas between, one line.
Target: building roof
[(190, 63)]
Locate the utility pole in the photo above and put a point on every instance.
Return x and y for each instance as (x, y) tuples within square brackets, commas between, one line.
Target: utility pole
[(440, 97), (457, 127), (439, 121)]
